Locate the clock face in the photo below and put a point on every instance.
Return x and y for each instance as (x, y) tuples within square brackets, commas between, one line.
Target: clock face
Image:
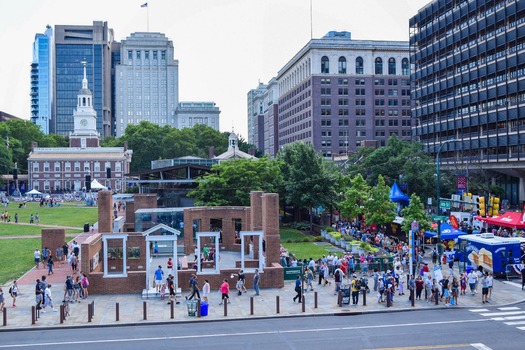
[(83, 122)]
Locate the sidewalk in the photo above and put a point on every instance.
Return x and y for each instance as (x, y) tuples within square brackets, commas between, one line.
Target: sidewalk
[(158, 311)]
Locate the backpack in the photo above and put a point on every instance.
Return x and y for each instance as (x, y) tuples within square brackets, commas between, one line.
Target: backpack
[(11, 290), (358, 284)]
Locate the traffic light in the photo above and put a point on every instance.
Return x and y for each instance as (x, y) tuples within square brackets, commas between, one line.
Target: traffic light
[(495, 206), (481, 206), (467, 198)]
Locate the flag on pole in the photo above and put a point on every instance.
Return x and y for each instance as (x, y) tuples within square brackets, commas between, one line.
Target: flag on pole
[(144, 5)]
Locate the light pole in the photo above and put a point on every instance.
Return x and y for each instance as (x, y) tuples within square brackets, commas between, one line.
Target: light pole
[(438, 161)]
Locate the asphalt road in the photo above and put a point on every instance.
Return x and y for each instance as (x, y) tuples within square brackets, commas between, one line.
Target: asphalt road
[(430, 329)]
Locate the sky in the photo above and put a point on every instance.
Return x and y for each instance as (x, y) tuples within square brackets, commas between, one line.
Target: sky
[(224, 47)]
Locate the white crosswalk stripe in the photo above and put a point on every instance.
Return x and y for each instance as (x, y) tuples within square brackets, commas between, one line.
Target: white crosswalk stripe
[(511, 315)]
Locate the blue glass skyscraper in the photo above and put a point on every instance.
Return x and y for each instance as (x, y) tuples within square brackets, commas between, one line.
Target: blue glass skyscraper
[(42, 80)]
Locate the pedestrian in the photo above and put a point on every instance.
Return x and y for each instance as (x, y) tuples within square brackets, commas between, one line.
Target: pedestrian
[(490, 282), (16, 218), (69, 290), (411, 285), (65, 251), (155, 249), (2, 302), (39, 294), (159, 276), (48, 298), (31, 219), (225, 291), (455, 290), (523, 278), (484, 289), (355, 289), (50, 265), (58, 256), (13, 290), (241, 277), (169, 265), (463, 283), (309, 275), (419, 286), (256, 281), (472, 278), (78, 289), (37, 254), (194, 286), (73, 261), (37, 218), (206, 290), (171, 287), (85, 285), (298, 288)]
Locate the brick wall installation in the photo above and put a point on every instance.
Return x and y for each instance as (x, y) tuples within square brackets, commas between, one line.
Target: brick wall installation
[(265, 219), (53, 238)]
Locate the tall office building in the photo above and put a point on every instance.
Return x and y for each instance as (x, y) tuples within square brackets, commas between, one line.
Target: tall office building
[(42, 80), (146, 81), (264, 114), (339, 94), (75, 44), (254, 109), (469, 85)]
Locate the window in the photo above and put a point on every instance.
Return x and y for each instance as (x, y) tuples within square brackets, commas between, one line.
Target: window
[(138, 55), (360, 82), (342, 65), (342, 81), (343, 112), (130, 55), (343, 102), (86, 166), (326, 122), (404, 66), (343, 91), (343, 122), (163, 55), (155, 54), (97, 166), (360, 92), (146, 54), (359, 65), (392, 66), (36, 167), (118, 166), (378, 66), (360, 122), (57, 166), (68, 166), (325, 65)]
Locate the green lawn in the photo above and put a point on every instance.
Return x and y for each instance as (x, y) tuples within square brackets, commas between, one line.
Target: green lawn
[(16, 257), (303, 250), (25, 230), (69, 214)]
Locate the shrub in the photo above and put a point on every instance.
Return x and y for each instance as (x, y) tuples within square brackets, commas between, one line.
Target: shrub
[(337, 236), (306, 239), (328, 229), (288, 241), (348, 238), (302, 226), (319, 239)]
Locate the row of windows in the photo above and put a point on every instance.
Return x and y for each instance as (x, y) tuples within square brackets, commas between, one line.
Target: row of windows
[(359, 66), (67, 185), (361, 81), (57, 166), (147, 53)]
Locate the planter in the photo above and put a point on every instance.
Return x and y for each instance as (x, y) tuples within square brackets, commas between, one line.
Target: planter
[(348, 246), (342, 243), (332, 239), (355, 248)]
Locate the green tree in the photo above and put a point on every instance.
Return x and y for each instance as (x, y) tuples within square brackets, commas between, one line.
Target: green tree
[(231, 182), (379, 209), (415, 211), (145, 139), (308, 181), (355, 197)]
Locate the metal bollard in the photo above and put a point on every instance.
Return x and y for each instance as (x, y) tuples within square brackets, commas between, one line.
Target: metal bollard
[(412, 297), (33, 315), (436, 296), (117, 309), (61, 314), (388, 299), (198, 308), (172, 310), (226, 307), (89, 313), (93, 308), (340, 299), (277, 306), (303, 309), (251, 306), (144, 310), (364, 297), (4, 316), (315, 300)]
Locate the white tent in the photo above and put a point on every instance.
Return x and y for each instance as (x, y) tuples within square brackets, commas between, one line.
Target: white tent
[(33, 192), (95, 185)]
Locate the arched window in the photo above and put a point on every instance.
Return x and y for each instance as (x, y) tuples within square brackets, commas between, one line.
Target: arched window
[(325, 65), (392, 66), (405, 67), (379, 66), (342, 65), (359, 65)]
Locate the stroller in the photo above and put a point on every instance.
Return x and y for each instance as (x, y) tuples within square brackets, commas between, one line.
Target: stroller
[(364, 284)]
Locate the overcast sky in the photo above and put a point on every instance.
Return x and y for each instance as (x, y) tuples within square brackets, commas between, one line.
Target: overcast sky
[(224, 47)]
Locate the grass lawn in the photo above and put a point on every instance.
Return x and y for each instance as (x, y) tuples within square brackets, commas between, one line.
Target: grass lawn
[(69, 214), (16, 257), (24, 230), (294, 241)]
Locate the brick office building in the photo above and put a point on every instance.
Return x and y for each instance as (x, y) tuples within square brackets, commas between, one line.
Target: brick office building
[(66, 169)]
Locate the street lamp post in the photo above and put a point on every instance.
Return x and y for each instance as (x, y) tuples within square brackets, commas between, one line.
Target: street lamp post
[(438, 161)]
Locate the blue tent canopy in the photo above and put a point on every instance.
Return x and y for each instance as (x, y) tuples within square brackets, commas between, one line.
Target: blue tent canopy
[(396, 195), (447, 232)]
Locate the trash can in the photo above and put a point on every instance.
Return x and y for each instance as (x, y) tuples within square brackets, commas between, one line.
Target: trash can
[(204, 308), (86, 227), (192, 307)]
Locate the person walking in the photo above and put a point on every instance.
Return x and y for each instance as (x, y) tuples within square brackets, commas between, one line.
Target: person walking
[(225, 292), (37, 255), (298, 288), (355, 289), (194, 285), (159, 276), (50, 265), (48, 298), (14, 292), (484, 289), (206, 290), (171, 287), (256, 281)]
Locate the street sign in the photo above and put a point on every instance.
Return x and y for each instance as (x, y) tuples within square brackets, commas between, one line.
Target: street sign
[(444, 205), (439, 218)]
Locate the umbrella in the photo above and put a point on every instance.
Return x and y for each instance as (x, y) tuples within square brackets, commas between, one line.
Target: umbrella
[(33, 191)]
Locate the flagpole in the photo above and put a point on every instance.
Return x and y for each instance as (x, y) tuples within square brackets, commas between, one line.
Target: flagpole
[(147, 14), (311, 22)]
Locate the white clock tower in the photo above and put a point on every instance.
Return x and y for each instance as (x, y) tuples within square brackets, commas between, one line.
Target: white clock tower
[(85, 132)]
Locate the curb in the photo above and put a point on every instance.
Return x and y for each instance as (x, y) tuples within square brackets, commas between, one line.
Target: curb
[(244, 318)]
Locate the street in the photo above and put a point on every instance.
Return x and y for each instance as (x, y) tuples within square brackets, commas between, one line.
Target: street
[(426, 329)]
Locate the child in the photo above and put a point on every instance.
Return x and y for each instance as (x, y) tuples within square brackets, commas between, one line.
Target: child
[(206, 290), (162, 291)]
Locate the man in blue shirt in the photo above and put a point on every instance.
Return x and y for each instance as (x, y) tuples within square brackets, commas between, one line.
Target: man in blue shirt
[(159, 277)]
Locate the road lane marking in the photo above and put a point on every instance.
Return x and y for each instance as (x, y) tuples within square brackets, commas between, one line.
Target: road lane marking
[(421, 347), (478, 310), (521, 328), (508, 308), (507, 313), (481, 346), (514, 323), (218, 335)]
